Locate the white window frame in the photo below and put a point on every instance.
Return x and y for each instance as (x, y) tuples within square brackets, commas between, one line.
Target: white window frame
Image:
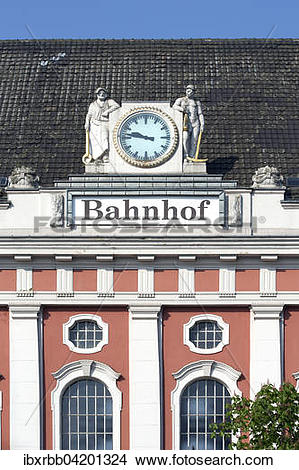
[(85, 369), (194, 371), (206, 317), (85, 317)]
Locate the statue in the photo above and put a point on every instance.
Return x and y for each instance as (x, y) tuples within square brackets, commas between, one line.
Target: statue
[(23, 178), (193, 122), (267, 177), (97, 127)]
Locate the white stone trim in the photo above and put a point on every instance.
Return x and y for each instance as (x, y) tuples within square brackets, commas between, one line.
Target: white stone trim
[(199, 370), (65, 281), (206, 317), (24, 377), (268, 282), (145, 422), (146, 282), (105, 281), (186, 281), (85, 316), (85, 369), (227, 281), (296, 377), (24, 280), (265, 346)]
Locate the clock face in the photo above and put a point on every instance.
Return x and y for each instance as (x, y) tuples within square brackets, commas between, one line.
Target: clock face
[(146, 137)]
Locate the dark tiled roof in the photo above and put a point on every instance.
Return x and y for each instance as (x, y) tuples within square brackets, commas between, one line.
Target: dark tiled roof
[(248, 88)]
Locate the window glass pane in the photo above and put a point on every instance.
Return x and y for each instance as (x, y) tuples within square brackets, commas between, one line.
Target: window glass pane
[(184, 423), (192, 423), (219, 405), (109, 423), (82, 424), (91, 406), (210, 442), (91, 442), (65, 441), (201, 424), (85, 334), (74, 441), (82, 405), (82, 441), (201, 406), (65, 423), (100, 441), (108, 405), (210, 387), (202, 442), (100, 424), (73, 405), (210, 405), (109, 443), (205, 334), (74, 423), (91, 424), (86, 419), (184, 442)]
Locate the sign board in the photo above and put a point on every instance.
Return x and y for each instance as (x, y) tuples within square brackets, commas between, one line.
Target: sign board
[(152, 210)]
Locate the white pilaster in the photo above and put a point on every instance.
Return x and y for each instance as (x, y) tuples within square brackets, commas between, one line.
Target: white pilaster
[(186, 281), (146, 282), (64, 281), (268, 281), (105, 281), (227, 281), (144, 377), (265, 346), (24, 280), (24, 378)]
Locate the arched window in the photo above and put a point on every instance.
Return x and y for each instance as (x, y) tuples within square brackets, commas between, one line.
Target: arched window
[(202, 391), (86, 404), (203, 402), (87, 416)]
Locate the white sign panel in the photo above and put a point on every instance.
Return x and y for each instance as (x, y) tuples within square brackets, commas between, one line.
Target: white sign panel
[(124, 210)]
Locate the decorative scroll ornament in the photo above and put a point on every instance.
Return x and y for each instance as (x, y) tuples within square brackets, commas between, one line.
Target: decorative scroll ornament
[(267, 177), (57, 204), (23, 178)]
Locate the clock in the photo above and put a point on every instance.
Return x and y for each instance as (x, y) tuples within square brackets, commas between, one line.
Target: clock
[(145, 137)]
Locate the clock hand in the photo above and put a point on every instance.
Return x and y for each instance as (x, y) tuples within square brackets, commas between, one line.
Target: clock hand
[(140, 136)]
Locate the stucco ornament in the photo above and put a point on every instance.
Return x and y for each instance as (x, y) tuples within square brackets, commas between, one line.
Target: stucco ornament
[(23, 178), (57, 205), (193, 126), (267, 177), (97, 127)]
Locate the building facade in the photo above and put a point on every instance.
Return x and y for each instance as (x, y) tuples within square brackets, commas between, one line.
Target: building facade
[(145, 285)]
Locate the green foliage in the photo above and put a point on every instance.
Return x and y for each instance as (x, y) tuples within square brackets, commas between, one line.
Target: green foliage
[(271, 421)]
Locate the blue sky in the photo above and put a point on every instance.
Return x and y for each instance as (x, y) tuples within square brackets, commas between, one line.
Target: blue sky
[(149, 19)]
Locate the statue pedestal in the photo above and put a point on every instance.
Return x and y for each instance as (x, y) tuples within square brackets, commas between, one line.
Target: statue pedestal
[(98, 168), (192, 168)]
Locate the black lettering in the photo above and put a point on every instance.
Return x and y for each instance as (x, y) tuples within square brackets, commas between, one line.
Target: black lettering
[(128, 209), (167, 209), (202, 208), (88, 209), (147, 210), (112, 213), (192, 213)]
